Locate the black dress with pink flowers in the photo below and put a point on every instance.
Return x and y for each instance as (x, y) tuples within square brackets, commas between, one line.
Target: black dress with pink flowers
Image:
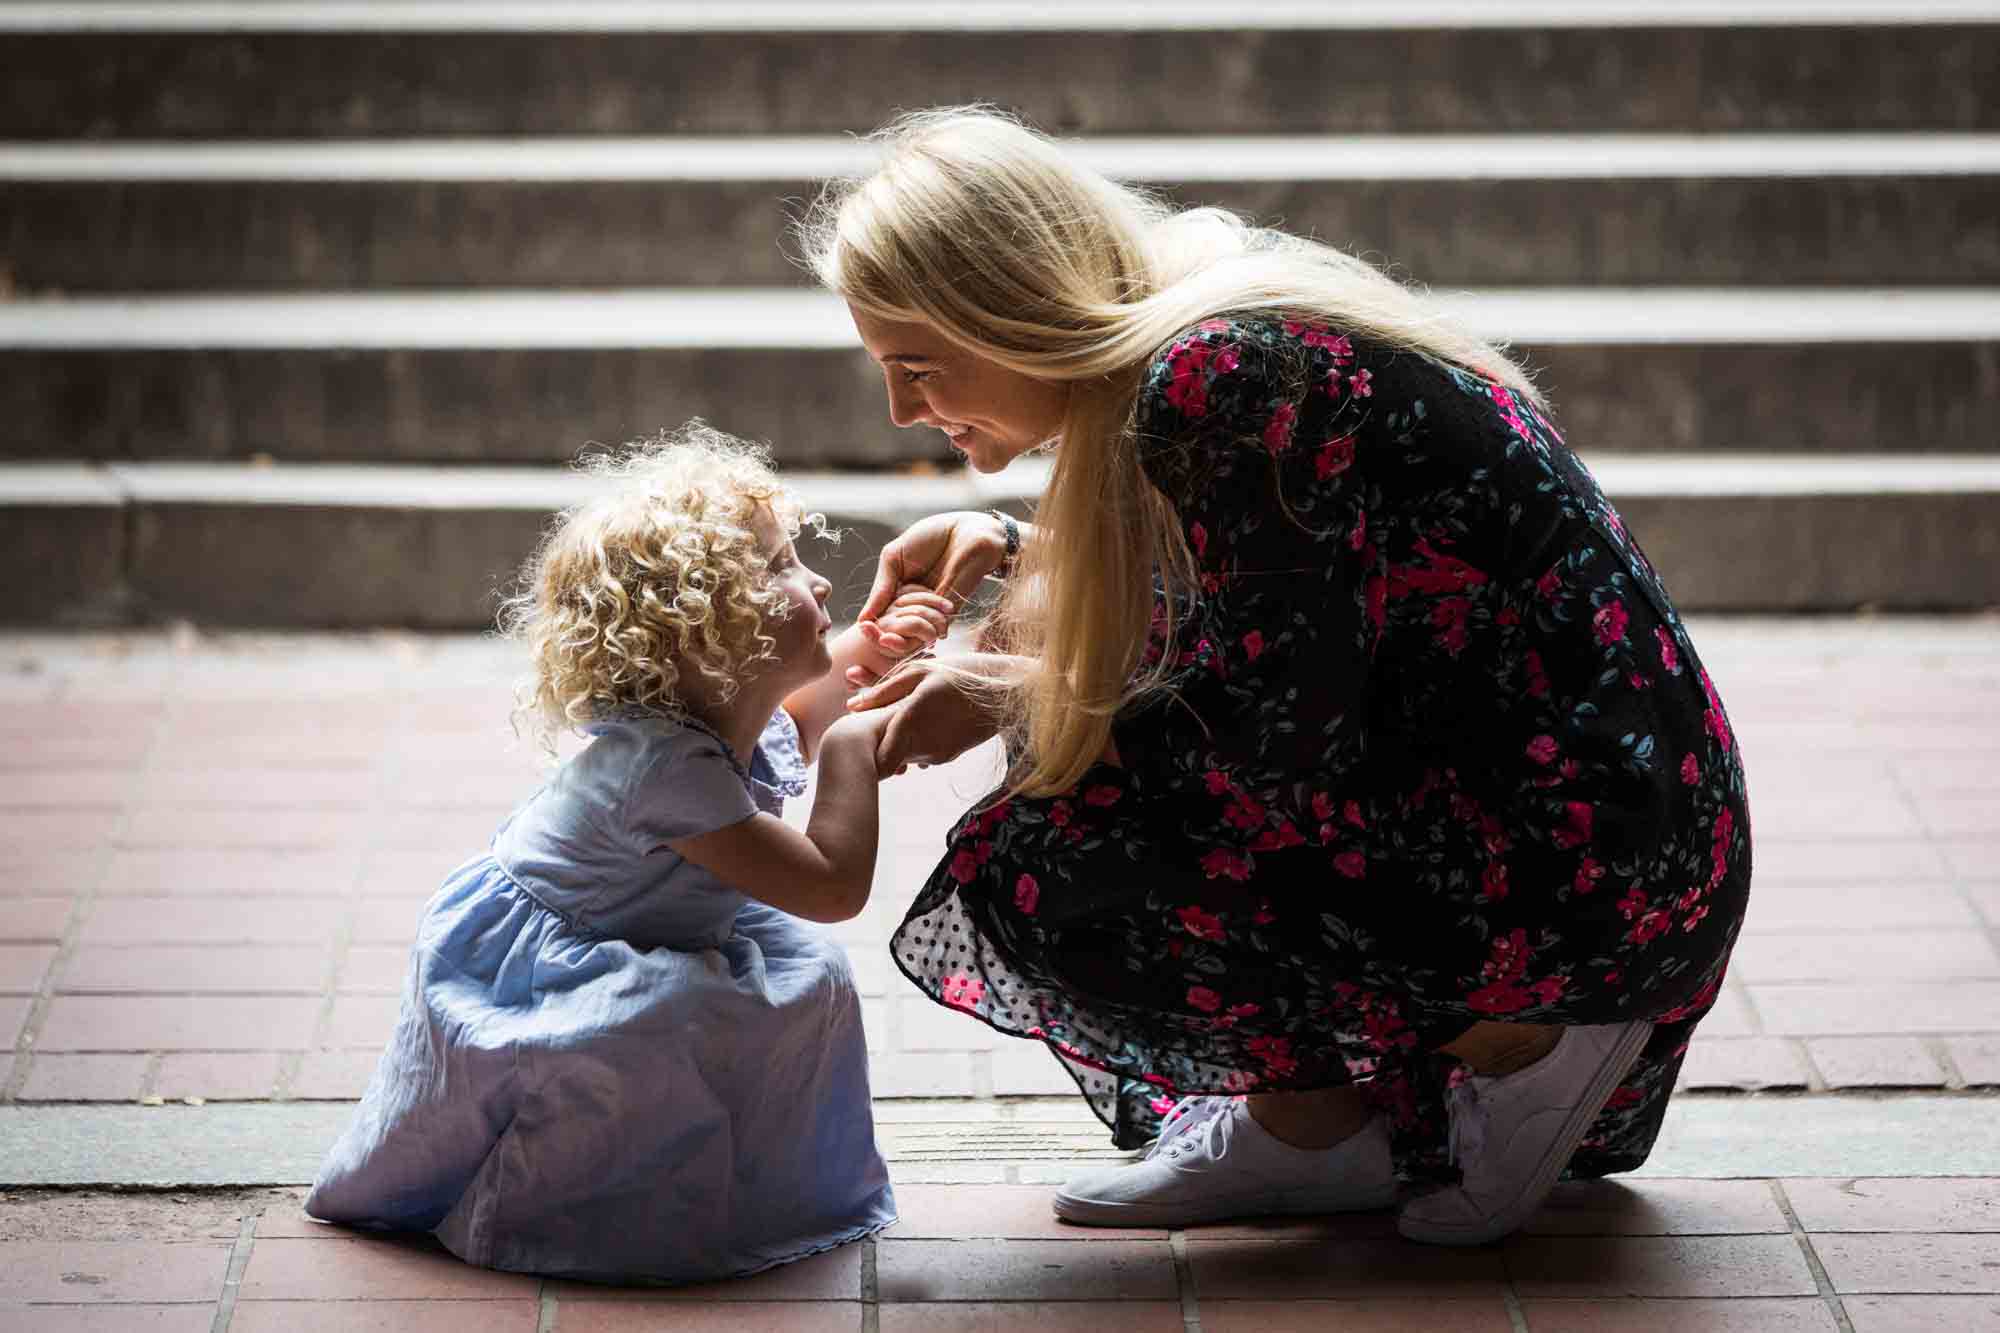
[(1439, 751)]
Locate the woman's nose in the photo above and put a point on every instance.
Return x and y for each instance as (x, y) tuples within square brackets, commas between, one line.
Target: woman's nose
[(906, 405)]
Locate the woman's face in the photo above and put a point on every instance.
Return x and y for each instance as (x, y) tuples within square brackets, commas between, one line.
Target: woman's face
[(991, 414)]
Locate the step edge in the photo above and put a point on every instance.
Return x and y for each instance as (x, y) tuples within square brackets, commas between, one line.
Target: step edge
[(852, 497), (1158, 159)]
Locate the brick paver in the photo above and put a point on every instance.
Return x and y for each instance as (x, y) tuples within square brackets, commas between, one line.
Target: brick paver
[(1634, 1255), (217, 876), (258, 820)]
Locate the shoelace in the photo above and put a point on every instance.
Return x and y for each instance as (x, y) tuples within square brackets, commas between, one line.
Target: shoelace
[(1468, 1123), (1189, 1115)]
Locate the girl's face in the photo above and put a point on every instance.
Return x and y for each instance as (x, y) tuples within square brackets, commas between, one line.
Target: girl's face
[(801, 635), (991, 414)]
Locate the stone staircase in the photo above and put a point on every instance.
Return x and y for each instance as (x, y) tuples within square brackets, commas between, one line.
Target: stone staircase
[(309, 302)]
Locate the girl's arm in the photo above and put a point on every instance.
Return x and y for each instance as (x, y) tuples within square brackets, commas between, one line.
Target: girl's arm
[(919, 618), (824, 873)]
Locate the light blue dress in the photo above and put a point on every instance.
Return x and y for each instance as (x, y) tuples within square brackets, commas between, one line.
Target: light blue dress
[(609, 1064)]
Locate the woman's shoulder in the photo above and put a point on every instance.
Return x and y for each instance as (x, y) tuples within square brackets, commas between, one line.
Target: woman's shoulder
[(1255, 359)]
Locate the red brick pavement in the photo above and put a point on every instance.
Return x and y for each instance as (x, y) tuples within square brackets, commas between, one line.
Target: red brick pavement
[(1742, 1256), (220, 848)]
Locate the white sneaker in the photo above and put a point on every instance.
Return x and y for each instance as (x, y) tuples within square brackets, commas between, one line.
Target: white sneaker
[(1512, 1135), (1213, 1161)]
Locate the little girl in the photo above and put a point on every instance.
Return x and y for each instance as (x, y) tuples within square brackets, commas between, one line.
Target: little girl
[(621, 1056)]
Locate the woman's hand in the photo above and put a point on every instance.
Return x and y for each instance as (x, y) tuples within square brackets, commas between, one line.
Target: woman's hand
[(934, 718), (947, 553)]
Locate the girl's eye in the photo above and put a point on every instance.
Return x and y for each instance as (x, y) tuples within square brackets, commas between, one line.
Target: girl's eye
[(917, 376)]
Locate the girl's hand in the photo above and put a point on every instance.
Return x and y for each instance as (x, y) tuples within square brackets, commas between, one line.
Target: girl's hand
[(946, 553), (915, 620)]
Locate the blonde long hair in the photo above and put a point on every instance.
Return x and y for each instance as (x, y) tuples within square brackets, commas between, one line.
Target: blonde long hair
[(988, 232)]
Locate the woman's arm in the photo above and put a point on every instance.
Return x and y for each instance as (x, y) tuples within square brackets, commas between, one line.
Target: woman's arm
[(939, 713), (823, 874)]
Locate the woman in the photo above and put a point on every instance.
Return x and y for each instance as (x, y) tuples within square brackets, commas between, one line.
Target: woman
[(1359, 762)]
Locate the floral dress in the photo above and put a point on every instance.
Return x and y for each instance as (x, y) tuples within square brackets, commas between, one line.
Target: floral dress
[(1439, 750)]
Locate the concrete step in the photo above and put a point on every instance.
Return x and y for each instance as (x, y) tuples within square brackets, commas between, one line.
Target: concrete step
[(523, 377), (1556, 209), (297, 546), (209, 71)]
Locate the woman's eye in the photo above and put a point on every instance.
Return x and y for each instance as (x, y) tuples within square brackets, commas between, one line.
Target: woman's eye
[(916, 376)]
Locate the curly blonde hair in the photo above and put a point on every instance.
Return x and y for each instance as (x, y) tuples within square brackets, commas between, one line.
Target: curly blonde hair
[(657, 579)]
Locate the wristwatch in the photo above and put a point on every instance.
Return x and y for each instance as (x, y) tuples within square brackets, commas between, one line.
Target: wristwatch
[(1012, 532)]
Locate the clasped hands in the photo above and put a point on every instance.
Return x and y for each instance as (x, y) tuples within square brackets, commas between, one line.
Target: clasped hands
[(922, 580)]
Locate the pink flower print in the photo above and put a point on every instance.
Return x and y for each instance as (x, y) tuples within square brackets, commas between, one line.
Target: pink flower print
[(1493, 882), (1278, 434), (1624, 1099), (1698, 1002), (1588, 872), (1188, 366), (1101, 795), (1027, 895), (1216, 781), (1578, 819), (1716, 720), (1549, 584), (1690, 770), (1245, 1010), (1542, 749), (1649, 927), (1204, 999), (1238, 1080), (1449, 616), (1279, 838), (962, 992), (1725, 833), (1212, 326), (1198, 538), (1502, 997), (1226, 864), (964, 867), (1670, 657), (1359, 384), (1335, 457), (1693, 918), (1276, 1053), (1351, 864), (1351, 812), (1161, 1105), (1610, 622), (1253, 645), (1633, 903), (1263, 916), (1202, 925), (1322, 805), (1059, 814), (1538, 679), (1359, 537)]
